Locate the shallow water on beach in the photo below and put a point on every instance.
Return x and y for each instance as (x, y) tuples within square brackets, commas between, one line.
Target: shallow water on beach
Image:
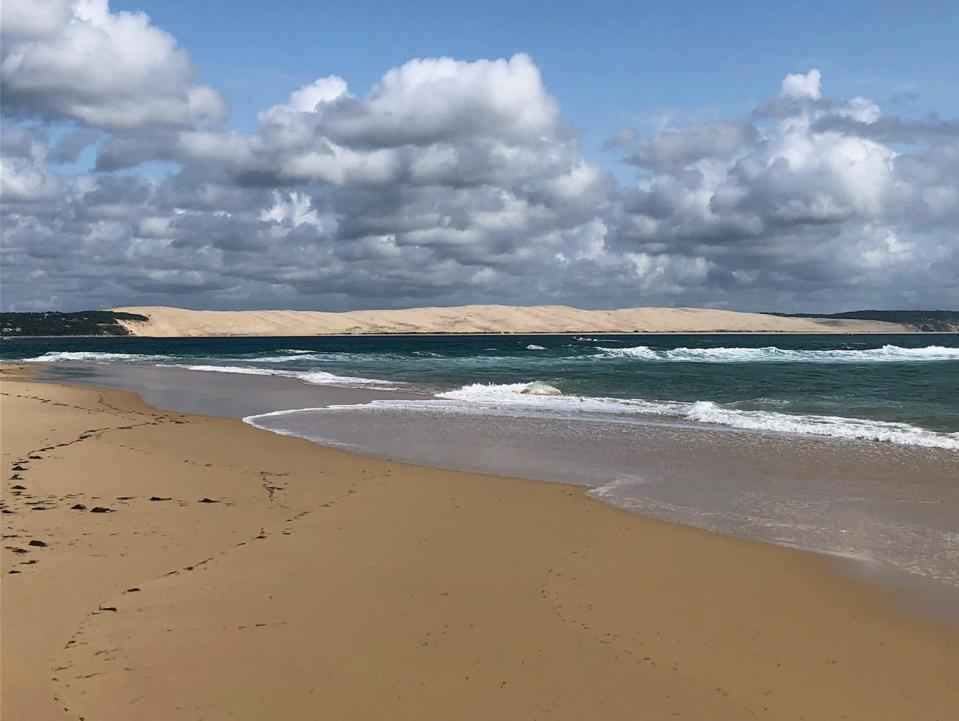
[(882, 505), (845, 445)]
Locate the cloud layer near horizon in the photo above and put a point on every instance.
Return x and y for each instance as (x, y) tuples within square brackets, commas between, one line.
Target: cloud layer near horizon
[(447, 182)]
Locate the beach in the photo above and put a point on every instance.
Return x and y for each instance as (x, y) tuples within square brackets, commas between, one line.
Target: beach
[(841, 445), (241, 574)]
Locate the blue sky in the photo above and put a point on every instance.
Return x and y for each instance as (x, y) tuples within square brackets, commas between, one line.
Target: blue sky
[(609, 64)]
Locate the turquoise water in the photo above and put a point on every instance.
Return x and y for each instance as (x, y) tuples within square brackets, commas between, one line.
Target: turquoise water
[(898, 388)]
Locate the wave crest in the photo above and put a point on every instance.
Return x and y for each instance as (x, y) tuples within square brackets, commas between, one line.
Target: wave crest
[(511, 396), (313, 377), (90, 356), (772, 354)]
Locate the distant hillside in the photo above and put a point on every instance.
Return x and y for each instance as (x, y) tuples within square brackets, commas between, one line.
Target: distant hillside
[(84, 322), (180, 322), (164, 321), (928, 321)]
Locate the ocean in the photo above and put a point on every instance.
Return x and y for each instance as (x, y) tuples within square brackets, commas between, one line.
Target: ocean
[(842, 444)]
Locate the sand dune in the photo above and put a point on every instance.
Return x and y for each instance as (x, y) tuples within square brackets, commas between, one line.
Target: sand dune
[(165, 321)]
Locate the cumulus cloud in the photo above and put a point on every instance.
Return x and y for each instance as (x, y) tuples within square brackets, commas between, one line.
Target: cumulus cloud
[(322, 90), (433, 99), (446, 182), (679, 148), (24, 176), (799, 85), (76, 60), (430, 121)]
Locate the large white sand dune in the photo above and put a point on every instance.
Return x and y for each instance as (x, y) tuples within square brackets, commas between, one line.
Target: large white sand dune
[(165, 321)]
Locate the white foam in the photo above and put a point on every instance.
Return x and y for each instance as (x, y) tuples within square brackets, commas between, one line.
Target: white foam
[(533, 346), (331, 379), (90, 356), (485, 392), (300, 357), (539, 388), (314, 377), (254, 420), (511, 399), (514, 394), (244, 370), (303, 356), (833, 426), (885, 354)]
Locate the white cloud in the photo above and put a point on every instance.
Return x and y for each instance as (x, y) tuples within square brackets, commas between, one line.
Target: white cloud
[(802, 86), (885, 250), (323, 90), (862, 110), (24, 20), (429, 99), (108, 70), (453, 181), (295, 209), (433, 120), (672, 148), (154, 227), (24, 175)]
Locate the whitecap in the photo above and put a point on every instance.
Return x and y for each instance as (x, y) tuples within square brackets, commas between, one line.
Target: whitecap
[(818, 425), (312, 377), (885, 354), (515, 399), (93, 357)]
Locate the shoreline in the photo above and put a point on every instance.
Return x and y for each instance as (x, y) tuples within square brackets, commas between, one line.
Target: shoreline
[(497, 335), (551, 576), (763, 486)]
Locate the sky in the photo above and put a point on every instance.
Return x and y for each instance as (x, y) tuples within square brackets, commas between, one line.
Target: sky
[(778, 156)]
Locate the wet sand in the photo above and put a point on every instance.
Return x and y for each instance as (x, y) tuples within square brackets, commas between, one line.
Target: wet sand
[(320, 584)]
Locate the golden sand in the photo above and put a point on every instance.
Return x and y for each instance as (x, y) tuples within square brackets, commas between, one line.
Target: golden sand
[(166, 321), (316, 584)]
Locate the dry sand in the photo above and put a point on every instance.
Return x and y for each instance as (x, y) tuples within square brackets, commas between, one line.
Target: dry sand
[(483, 319), (324, 585)]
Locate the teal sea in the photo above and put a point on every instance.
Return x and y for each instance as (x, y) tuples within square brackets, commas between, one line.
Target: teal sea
[(897, 388)]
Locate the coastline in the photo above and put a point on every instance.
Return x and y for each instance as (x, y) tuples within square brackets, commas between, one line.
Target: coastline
[(880, 510), (428, 334), (496, 319), (322, 582)]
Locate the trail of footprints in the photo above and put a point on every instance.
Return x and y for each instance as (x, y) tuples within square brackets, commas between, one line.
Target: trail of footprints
[(61, 673), (23, 500)]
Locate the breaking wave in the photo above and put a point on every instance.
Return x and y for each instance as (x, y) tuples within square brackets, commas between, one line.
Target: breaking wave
[(165, 361), (89, 356), (314, 377), (887, 354), (515, 399)]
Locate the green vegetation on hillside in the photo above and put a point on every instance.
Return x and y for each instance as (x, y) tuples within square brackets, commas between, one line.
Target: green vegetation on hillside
[(921, 320), (84, 322)]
